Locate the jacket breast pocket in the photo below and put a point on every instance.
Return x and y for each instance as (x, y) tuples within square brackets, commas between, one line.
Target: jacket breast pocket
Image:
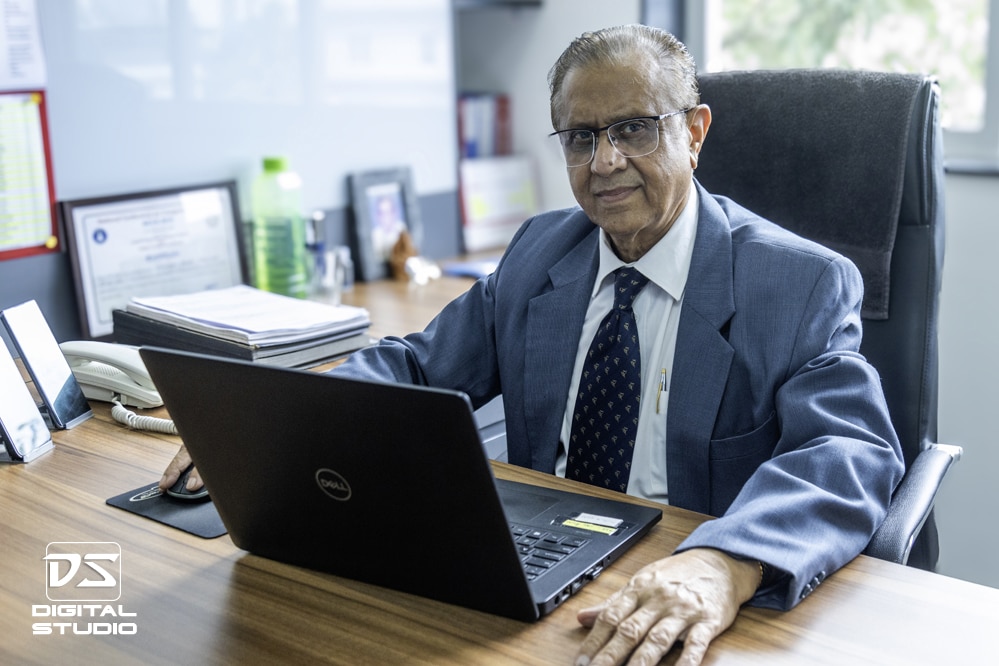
[(734, 459)]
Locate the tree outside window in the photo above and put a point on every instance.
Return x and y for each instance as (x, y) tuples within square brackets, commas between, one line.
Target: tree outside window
[(943, 38)]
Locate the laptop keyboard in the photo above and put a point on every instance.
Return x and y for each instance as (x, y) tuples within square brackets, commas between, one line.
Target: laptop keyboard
[(540, 551)]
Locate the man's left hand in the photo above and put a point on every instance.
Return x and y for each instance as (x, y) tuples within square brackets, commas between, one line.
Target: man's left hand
[(691, 597)]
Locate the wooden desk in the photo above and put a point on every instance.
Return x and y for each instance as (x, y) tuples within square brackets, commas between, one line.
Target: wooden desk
[(200, 601), (398, 308)]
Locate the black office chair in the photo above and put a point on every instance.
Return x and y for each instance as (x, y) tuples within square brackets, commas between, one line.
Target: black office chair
[(854, 160)]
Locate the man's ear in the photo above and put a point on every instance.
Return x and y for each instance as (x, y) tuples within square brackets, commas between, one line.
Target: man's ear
[(698, 122)]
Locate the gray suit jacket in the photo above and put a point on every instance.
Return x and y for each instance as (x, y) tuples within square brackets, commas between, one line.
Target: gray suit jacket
[(775, 423)]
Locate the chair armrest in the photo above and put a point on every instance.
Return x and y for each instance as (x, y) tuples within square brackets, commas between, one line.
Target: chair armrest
[(912, 502)]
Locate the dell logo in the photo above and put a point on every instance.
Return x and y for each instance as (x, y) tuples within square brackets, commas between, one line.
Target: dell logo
[(333, 484)]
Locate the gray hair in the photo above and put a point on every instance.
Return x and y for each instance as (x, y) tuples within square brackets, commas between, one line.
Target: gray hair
[(615, 45)]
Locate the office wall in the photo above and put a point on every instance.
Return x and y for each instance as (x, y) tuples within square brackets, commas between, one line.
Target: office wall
[(511, 50), (969, 328), (148, 94), (968, 503)]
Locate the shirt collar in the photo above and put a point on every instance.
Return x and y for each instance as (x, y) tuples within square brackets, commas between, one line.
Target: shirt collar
[(667, 263)]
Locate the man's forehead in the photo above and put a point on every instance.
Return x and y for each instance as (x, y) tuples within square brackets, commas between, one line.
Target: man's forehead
[(592, 122), (595, 98)]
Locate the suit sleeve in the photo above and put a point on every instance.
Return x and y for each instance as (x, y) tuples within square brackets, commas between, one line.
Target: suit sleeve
[(458, 350), (814, 505), (454, 351)]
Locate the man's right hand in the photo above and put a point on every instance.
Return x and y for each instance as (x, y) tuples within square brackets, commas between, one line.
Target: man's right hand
[(176, 467)]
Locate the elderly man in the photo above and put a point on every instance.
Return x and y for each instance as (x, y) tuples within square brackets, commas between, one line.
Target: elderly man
[(714, 351)]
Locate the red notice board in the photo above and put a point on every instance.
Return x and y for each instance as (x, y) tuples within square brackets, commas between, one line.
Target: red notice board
[(28, 221)]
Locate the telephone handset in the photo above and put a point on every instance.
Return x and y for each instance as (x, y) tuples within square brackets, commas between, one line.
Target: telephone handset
[(116, 374), (106, 370)]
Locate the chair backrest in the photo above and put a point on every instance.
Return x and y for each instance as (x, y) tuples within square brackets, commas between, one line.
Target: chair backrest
[(852, 160)]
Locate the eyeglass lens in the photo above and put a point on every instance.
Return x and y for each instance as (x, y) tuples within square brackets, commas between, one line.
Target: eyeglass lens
[(631, 138)]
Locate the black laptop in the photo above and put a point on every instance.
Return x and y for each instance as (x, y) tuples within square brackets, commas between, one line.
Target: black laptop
[(383, 483)]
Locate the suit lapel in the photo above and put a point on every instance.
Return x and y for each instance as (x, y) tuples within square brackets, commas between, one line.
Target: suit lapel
[(700, 369), (554, 321), (702, 361)]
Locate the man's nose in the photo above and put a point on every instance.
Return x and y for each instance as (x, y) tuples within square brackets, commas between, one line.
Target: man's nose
[(606, 158)]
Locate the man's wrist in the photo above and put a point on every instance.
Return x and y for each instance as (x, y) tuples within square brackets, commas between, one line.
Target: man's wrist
[(767, 574), (745, 571)]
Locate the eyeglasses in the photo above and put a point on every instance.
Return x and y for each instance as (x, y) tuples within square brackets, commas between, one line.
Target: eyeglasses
[(634, 137)]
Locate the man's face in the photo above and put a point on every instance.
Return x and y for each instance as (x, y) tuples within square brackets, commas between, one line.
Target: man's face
[(635, 200)]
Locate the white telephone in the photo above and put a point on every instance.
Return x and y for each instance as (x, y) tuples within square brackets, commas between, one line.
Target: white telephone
[(116, 374), (106, 370)]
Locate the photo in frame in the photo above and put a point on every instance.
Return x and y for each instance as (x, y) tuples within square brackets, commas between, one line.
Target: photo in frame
[(383, 204)]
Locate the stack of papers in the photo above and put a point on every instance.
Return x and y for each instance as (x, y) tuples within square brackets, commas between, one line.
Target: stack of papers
[(246, 323), (249, 316)]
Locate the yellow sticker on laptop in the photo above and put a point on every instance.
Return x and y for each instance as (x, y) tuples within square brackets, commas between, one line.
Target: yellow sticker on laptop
[(593, 523)]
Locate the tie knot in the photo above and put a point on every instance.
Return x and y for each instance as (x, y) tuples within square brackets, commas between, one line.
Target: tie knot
[(627, 283)]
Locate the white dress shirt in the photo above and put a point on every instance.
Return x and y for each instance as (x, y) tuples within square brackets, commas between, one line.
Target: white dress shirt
[(657, 312)]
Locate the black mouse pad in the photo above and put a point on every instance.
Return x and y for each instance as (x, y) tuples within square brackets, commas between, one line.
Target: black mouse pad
[(197, 517)]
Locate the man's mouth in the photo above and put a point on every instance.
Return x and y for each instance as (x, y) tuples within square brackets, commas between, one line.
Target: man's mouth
[(614, 194)]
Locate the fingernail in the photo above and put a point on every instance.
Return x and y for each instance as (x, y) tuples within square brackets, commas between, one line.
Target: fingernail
[(191, 482), (582, 660)]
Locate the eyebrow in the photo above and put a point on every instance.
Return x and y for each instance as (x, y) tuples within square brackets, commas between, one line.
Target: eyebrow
[(613, 122)]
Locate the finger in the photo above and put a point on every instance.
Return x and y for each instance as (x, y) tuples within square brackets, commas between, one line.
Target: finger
[(695, 645), (604, 623), (588, 616), (628, 635), (193, 480), (174, 469), (658, 641)]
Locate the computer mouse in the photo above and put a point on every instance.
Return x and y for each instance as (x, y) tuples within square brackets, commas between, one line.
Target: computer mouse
[(179, 489)]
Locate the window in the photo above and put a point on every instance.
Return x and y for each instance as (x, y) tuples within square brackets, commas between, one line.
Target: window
[(949, 39)]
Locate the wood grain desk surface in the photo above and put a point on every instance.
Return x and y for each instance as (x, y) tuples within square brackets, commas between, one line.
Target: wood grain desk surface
[(204, 601)]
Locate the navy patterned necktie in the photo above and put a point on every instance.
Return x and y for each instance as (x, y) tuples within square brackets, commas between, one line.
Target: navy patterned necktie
[(605, 419)]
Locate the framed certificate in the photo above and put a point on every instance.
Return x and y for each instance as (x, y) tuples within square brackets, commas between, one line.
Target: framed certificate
[(156, 243)]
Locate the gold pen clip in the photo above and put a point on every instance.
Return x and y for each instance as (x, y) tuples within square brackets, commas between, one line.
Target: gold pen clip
[(662, 387)]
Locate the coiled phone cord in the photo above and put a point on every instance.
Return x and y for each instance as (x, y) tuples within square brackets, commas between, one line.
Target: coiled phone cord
[(122, 415)]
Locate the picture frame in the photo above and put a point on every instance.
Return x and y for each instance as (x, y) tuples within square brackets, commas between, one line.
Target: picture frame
[(383, 204), (152, 243)]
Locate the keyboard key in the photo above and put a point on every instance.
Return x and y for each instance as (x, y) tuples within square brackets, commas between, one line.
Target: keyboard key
[(538, 562), (555, 547), (540, 550), (549, 555)]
